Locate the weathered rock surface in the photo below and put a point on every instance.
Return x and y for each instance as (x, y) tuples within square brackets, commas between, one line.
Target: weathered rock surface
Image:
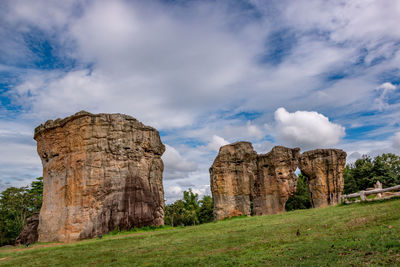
[(231, 175), (239, 176), (275, 181), (100, 172), (324, 170), (30, 232)]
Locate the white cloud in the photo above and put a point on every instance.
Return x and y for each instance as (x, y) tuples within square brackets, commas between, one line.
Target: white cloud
[(396, 141), (387, 87), (216, 143), (352, 157), (147, 60), (19, 161), (263, 147), (176, 167), (384, 88), (202, 190), (306, 129), (173, 193), (188, 70), (356, 148), (254, 131)]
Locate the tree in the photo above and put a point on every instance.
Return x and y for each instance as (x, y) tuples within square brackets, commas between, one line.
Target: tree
[(16, 205), (300, 199), (174, 213), (365, 172), (205, 213), (191, 203), (350, 184), (189, 210)]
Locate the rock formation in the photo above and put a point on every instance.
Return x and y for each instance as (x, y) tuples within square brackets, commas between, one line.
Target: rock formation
[(324, 171), (275, 181), (100, 172), (239, 176), (231, 175), (30, 232)]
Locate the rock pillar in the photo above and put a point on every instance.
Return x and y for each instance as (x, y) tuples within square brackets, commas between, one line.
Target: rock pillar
[(324, 171), (100, 172), (231, 176)]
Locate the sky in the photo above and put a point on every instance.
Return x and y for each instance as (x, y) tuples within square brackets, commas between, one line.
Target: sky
[(305, 73)]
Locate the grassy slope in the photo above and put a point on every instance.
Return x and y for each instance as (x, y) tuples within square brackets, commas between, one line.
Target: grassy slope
[(341, 235)]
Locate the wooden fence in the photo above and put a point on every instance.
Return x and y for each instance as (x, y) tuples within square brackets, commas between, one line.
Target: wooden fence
[(381, 194)]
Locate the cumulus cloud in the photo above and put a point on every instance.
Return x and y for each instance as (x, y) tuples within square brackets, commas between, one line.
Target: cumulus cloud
[(216, 143), (176, 167), (306, 129)]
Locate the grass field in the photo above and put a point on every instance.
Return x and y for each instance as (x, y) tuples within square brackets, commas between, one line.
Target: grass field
[(358, 234)]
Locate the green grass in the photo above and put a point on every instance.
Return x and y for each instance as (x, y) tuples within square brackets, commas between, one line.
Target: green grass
[(344, 235)]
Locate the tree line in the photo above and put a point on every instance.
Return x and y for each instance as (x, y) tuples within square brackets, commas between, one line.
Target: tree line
[(18, 204), (365, 172)]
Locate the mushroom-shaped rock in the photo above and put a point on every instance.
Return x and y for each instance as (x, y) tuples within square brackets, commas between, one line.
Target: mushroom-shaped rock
[(275, 181), (324, 171), (100, 172), (231, 174)]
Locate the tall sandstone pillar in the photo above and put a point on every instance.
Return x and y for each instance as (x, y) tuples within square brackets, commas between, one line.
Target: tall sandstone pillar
[(100, 172), (324, 170), (231, 174), (275, 181)]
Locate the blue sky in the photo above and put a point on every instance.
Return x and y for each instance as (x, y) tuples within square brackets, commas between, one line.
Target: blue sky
[(313, 74)]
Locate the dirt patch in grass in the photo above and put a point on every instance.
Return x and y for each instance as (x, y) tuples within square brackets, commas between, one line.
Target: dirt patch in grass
[(357, 222)]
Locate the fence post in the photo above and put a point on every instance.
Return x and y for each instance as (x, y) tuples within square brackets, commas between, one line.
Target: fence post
[(362, 195)]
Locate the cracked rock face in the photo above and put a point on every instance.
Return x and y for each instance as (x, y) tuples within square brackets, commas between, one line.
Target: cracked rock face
[(231, 175), (324, 170), (100, 172), (275, 181)]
